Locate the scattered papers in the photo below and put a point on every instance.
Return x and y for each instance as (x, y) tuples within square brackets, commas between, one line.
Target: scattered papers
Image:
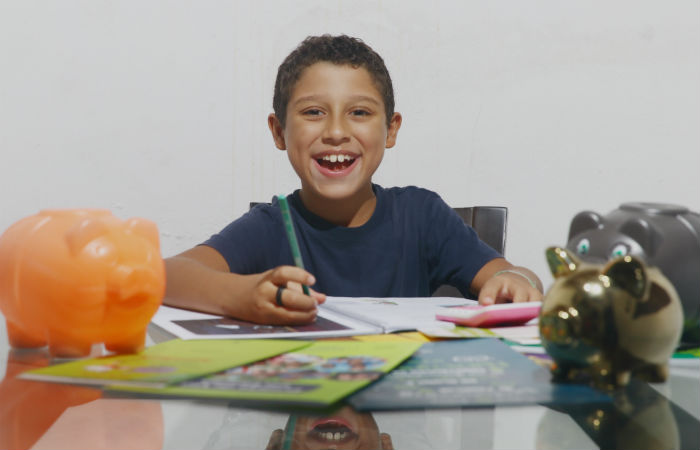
[(162, 364), (469, 372), (318, 375), (524, 335)]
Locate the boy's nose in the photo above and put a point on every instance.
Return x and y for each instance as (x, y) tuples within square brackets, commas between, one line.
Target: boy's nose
[(336, 131)]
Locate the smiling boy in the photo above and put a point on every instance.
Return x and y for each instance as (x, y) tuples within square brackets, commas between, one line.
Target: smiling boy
[(334, 116)]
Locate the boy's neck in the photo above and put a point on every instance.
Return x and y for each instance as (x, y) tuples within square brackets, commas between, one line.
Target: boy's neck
[(350, 212)]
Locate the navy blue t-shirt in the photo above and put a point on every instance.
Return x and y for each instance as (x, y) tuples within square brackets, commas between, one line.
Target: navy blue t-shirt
[(413, 243)]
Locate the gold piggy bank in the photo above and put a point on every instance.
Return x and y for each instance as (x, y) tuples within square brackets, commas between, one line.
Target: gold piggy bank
[(603, 323)]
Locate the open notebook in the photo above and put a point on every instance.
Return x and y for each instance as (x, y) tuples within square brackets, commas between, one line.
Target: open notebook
[(338, 316)]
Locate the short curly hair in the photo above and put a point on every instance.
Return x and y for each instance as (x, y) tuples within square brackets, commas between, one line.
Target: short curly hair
[(339, 50)]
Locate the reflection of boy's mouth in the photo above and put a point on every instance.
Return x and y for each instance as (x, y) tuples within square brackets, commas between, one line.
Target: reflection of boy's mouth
[(332, 431)]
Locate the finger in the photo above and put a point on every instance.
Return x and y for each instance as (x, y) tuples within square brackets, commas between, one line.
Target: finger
[(525, 294), (320, 298), (489, 293), (520, 296), (537, 296), (533, 295), (284, 316), (294, 300), (295, 286), (267, 311), (284, 274), (518, 293), (513, 293)]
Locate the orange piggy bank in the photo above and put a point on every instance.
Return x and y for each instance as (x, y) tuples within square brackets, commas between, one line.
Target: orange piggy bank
[(78, 277)]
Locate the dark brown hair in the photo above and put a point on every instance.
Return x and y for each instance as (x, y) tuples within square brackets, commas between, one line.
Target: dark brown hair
[(339, 50)]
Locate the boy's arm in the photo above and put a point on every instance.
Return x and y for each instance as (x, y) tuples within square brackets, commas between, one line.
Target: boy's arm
[(499, 281), (199, 279)]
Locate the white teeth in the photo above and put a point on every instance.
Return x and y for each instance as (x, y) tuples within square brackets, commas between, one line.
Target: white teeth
[(337, 158), (337, 436)]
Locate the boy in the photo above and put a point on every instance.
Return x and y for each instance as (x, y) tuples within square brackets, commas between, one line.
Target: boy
[(334, 115)]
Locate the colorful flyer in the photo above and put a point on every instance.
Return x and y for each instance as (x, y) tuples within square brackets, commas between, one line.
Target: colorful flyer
[(317, 375), (166, 363)]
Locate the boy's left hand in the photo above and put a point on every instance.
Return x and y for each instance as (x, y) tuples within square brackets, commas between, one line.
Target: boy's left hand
[(501, 282), (508, 287)]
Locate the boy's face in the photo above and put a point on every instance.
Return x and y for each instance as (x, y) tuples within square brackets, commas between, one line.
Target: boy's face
[(335, 132)]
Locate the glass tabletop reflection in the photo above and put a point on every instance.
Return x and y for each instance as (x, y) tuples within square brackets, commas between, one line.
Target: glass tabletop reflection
[(42, 415)]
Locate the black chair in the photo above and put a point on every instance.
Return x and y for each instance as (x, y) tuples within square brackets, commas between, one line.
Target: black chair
[(490, 224)]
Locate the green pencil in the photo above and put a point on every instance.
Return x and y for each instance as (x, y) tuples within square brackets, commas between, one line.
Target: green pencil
[(291, 235)]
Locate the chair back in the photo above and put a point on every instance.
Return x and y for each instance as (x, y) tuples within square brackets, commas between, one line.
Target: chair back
[(490, 224)]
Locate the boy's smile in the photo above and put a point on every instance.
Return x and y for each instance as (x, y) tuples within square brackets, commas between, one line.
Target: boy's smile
[(335, 135), (336, 164)]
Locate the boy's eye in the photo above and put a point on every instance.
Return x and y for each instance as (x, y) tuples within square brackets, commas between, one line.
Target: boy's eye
[(313, 112), (360, 112)]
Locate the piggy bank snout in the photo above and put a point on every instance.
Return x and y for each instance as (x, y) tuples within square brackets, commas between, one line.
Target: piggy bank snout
[(133, 282), (558, 327), (566, 337)]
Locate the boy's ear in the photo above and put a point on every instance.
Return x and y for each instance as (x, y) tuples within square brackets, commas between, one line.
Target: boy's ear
[(275, 442), (393, 129), (386, 441), (277, 131)]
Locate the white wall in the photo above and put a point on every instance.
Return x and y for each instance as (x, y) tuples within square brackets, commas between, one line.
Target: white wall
[(158, 108)]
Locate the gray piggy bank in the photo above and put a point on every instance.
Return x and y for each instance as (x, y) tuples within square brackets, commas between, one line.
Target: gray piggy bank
[(603, 323), (662, 235)]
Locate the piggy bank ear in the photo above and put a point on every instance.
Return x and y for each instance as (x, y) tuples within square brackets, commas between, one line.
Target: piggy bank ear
[(628, 274), (584, 221), (144, 228), (644, 233), (84, 231), (561, 262)]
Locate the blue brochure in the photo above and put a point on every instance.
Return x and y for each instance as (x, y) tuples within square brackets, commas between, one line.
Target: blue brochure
[(469, 372)]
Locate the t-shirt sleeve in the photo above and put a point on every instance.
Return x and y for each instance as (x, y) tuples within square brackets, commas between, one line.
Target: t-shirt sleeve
[(250, 243), (455, 252)]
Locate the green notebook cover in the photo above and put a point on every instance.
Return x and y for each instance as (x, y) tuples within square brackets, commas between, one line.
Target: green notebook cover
[(317, 375), (163, 364)]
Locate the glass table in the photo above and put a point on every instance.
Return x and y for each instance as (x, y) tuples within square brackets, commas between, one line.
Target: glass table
[(51, 416)]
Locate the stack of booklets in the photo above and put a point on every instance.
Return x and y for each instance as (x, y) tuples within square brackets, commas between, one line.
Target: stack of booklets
[(222, 358), (472, 372), (265, 370)]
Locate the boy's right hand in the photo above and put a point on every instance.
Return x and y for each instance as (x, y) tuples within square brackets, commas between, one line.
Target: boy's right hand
[(200, 279), (297, 308)]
